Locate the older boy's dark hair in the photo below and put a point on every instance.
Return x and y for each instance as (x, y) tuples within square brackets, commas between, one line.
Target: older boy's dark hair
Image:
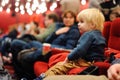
[(71, 12), (53, 16)]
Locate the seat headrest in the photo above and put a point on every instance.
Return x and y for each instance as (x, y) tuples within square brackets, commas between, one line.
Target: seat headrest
[(115, 27)]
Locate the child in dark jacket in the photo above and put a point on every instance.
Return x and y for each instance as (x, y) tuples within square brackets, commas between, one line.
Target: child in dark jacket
[(90, 46)]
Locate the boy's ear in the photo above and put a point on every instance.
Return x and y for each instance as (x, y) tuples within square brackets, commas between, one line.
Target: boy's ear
[(93, 25)]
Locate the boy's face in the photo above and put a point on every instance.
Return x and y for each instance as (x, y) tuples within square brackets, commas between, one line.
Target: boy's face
[(48, 21), (84, 26), (68, 20)]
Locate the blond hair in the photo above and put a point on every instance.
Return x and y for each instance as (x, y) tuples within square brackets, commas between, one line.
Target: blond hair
[(93, 16)]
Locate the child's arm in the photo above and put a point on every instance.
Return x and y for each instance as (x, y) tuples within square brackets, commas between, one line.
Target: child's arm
[(82, 47)]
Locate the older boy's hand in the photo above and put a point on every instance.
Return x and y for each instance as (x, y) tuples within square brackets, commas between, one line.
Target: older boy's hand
[(62, 30), (114, 72)]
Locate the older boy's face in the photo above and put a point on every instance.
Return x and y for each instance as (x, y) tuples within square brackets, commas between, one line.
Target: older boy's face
[(83, 26), (68, 20)]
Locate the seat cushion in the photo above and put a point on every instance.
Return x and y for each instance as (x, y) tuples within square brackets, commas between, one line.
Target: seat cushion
[(103, 67), (108, 51), (57, 58), (40, 67), (76, 70)]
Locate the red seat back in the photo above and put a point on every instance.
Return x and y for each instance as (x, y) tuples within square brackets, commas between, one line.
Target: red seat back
[(106, 31), (114, 38)]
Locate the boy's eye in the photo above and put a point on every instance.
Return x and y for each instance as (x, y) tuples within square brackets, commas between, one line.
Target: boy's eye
[(81, 21)]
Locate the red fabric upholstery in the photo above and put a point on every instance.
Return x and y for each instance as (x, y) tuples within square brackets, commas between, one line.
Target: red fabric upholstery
[(58, 50), (106, 31), (76, 70), (117, 55), (108, 51), (10, 69), (114, 38), (57, 58), (40, 67), (103, 66)]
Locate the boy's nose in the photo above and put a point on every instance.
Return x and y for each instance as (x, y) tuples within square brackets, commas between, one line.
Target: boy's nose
[(78, 24)]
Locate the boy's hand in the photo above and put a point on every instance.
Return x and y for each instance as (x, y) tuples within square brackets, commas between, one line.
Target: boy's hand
[(62, 30), (114, 72)]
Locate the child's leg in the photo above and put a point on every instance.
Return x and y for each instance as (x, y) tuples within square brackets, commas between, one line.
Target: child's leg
[(60, 69)]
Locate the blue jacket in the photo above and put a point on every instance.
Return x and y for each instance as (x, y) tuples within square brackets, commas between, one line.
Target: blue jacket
[(90, 47), (67, 40)]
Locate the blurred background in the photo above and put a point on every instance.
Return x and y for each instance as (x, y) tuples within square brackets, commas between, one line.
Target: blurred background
[(13, 12)]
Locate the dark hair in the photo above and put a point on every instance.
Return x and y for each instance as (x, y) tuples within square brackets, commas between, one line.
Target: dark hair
[(53, 16), (72, 13), (36, 23), (13, 34)]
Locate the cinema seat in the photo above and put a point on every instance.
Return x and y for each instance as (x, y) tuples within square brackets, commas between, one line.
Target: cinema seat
[(111, 32)]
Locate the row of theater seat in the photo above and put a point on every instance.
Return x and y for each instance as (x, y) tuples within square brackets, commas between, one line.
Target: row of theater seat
[(111, 32)]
